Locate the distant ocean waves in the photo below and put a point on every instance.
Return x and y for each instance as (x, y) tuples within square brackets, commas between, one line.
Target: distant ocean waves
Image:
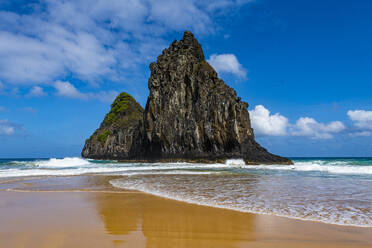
[(330, 190), (331, 166), (79, 166)]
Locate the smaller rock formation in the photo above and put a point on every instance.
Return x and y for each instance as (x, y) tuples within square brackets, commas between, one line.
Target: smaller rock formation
[(114, 138)]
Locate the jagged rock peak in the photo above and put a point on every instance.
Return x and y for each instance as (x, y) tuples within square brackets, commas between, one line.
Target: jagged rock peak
[(188, 45), (189, 42)]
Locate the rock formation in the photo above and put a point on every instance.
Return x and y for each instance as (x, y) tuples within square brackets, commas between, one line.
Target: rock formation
[(114, 138), (190, 115)]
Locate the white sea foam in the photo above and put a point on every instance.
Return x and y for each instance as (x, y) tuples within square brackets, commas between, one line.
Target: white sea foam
[(234, 162), (63, 163), (79, 166), (336, 168), (275, 196)]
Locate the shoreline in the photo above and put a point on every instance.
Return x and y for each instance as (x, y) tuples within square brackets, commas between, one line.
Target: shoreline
[(100, 215), (121, 190), (127, 191), (247, 212)]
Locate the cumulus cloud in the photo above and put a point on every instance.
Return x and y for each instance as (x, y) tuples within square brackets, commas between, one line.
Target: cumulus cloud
[(362, 118), (94, 40), (306, 126), (8, 128), (227, 63), (36, 91), (362, 121), (267, 124), (66, 89)]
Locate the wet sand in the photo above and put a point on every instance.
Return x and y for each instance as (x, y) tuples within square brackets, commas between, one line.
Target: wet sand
[(86, 211)]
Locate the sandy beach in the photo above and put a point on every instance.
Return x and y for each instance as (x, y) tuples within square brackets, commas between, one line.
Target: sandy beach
[(86, 211), (185, 124)]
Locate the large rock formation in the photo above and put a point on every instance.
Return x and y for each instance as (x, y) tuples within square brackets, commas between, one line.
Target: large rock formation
[(190, 115)]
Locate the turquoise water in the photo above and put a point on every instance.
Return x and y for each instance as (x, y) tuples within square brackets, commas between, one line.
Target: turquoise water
[(330, 190)]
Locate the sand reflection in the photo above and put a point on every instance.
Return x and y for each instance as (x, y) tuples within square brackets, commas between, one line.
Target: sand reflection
[(168, 223)]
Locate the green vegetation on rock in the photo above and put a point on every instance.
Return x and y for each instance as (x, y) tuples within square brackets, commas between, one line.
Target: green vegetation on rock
[(124, 122), (120, 104), (103, 136)]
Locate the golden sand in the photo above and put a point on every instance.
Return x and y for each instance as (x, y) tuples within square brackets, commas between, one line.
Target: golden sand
[(104, 218)]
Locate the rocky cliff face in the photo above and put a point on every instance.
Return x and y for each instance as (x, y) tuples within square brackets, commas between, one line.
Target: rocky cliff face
[(114, 138), (190, 115)]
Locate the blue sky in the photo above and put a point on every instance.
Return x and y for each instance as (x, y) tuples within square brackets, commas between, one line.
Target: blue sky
[(304, 67)]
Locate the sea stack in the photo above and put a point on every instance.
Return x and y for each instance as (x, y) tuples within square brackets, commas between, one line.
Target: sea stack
[(191, 115), (114, 138)]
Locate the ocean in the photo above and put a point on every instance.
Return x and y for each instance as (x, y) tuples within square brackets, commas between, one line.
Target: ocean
[(329, 190)]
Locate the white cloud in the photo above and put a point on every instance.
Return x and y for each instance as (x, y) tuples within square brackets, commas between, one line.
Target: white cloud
[(36, 91), (227, 63), (362, 118), (265, 124), (54, 53), (66, 89), (309, 127), (8, 128), (2, 108), (94, 40)]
